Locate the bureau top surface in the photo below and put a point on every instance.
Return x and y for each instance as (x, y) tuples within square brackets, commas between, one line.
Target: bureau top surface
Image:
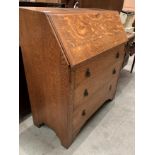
[(84, 33)]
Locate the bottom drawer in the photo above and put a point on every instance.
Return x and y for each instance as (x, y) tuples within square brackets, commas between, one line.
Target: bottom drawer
[(83, 112)]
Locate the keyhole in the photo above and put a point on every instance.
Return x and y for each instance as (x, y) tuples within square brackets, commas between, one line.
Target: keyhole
[(87, 73), (85, 92), (110, 87), (114, 71), (117, 55), (83, 112)]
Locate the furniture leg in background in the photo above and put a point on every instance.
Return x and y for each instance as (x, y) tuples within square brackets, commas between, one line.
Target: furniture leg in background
[(132, 64)]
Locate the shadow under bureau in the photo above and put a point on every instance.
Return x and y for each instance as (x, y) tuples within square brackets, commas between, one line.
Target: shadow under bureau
[(72, 59)]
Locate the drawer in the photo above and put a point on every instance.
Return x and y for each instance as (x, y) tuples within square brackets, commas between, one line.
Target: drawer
[(83, 112), (90, 86), (98, 65)]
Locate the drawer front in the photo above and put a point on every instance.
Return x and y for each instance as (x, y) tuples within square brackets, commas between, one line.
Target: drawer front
[(83, 112), (98, 65), (85, 90)]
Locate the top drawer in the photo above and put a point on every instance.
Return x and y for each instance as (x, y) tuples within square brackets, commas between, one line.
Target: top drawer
[(98, 65)]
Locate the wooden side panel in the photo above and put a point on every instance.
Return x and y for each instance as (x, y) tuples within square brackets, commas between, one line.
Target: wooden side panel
[(47, 74), (85, 35)]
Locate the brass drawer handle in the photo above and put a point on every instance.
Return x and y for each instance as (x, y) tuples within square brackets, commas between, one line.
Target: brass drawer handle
[(117, 55), (87, 73), (114, 71), (110, 87), (83, 113), (85, 92)]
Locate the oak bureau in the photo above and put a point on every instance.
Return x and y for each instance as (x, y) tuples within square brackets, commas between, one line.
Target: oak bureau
[(72, 59)]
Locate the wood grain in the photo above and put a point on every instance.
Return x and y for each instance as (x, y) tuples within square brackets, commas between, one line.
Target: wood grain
[(83, 38), (93, 84), (104, 4), (99, 64), (58, 45), (47, 74), (93, 103)]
